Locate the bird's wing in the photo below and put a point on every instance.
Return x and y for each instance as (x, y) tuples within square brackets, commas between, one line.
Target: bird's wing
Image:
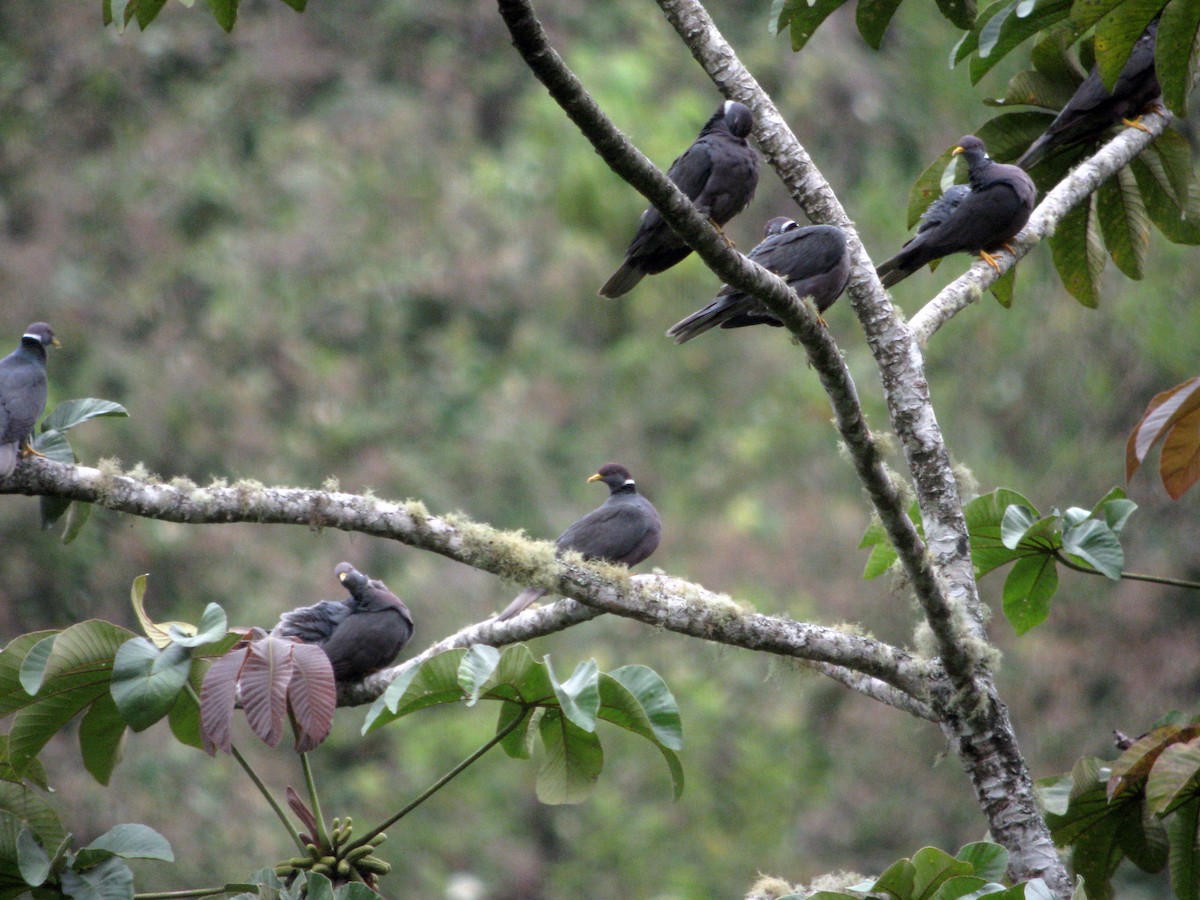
[(610, 532), (22, 399), (692, 169), (313, 624)]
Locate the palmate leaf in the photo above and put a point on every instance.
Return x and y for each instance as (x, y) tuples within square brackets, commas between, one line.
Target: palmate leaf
[(1030, 586), (1177, 33), (572, 760), (264, 683), (1117, 32), (1174, 776), (1078, 253), (102, 738), (312, 696), (1183, 829), (1008, 28), (1173, 414), (800, 19), (1124, 223), (146, 680), (872, 18), (31, 810)]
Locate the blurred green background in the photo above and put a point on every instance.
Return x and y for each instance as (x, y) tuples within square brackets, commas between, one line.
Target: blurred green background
[(363, 243)]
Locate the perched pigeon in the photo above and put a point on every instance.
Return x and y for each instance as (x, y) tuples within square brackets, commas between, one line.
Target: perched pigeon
[(719, 173), (360, 634), (1093, 108), (23, 393), (814, 261), (624, 529), (977, 217)]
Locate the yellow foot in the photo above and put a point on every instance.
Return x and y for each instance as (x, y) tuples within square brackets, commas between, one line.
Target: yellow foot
[(27, 450), (989, 259), (721, 232), (1136, 123)]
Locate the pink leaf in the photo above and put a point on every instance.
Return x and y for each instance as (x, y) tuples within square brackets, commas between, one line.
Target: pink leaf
[(313, 696), (265, 680), (217, 696)]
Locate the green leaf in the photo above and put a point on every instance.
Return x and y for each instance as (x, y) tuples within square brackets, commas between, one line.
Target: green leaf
[(1175, 778), (801, 18), (1182, 831), (572, 762), (1004, 287), (988, 860), (1114, 508), (961, 13), (33, 668), (1118, 31), (1094, 542), (146, 680), (78, 513), (1169, 158), (12, 692), (110, 880), (1178, 30), (1086, 13), (297, 5), (655, 699), (102, 738), (28, 809), (213, 627), (516, 742), (1007, 30), (1143, 837), (928, 186), (1078, 253), (70, 413), (1028, 590), (225, 12), (1171, 219), (1017, 521), (897, 879), (1124, 223), (872, 18), (476, 668), (132, 841), (54, 446), (579, 695), (434, 681), (184, 717), (32, 859), (984, 516), (933, 867)]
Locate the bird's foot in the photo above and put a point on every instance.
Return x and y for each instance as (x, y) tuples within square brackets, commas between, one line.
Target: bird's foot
[(27, 450), (1136, 122), (990, 260), (728, 242)]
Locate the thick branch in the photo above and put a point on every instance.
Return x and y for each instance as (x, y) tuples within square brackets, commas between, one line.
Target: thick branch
[(1066, 195), (669, 603)]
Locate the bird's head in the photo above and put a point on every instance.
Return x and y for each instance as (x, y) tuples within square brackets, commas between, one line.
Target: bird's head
[(614, 475), (738, 118), (350, 577), (40, 333), (972, 148), (779, 225)]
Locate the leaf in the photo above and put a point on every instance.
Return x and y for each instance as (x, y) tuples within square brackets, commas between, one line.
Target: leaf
[(984, 516), (572, 762), (306, 816), (77, 515), (70, 413), (801, 18), (1173, 777), (32, 859), (102, 738), (1118, 31), (476, 668), (1162, 413), (28, 809), (1178, 30), (961, 13), (213, 626), (110, 880), (1129, 771), (133, 841), (516, 742), (312, 695), (52, 509), (184, 717), (928, 186), (1016, 523), (1182, 829), (1090, 827), (146, 680), (932, 867), (650, 691), (1124, 223), (1006, 30), (579, 695), (1174, 222), (54, 446), (1078, 253), (988, 860), (217, 697), (1179, 465), (297, 5), (872, 18), (264, 682), (434, 681), (1094, 542), (225, 12), (1028, 590)]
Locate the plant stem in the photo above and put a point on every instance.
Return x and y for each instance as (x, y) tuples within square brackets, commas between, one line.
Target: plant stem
[(441, 782), (171, 895), (1131, 576), (311, 784), (262, 789)]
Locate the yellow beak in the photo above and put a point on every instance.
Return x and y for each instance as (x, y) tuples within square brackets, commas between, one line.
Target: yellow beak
[(957, 150), (596, 477)]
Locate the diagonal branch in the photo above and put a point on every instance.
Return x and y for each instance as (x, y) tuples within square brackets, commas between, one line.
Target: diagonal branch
[(1065, 196), (664, 602)]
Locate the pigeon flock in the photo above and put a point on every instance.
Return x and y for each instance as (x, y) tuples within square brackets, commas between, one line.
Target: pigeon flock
[(364, 632)]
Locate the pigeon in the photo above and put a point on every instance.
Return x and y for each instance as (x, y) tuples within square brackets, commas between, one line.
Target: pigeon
[(361, 634), (718, 173), (624, 529), (23, 394), (813, 260), (1093, 108), (976, 217)]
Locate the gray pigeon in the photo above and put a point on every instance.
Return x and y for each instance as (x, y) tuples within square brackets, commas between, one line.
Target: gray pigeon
[(23, 394), (624, 529), (813, 260), (718, 173), (361, 634), (977, 217)]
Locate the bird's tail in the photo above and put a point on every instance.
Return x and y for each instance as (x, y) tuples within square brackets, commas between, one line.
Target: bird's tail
[(892, 271), (526, 597), (699, 322), (1037, 151), (622, 282)]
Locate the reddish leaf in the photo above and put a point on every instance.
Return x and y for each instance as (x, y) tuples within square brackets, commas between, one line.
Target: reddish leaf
[(217, 696), (312, 694), (265, 678), (303, 813), (1161, 414), (1132, 766), (1179, 466)]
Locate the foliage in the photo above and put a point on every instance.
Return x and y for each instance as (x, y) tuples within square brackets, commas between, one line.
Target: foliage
[(52, 443), (1172, 416), (1144, 807), (122, 12)]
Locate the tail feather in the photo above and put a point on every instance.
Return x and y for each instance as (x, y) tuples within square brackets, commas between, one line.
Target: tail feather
[(892, 272), (524, 599), (622, 282), (1037, 151), (699, 322)]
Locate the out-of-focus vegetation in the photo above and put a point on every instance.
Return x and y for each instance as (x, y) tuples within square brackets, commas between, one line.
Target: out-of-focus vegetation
[(366, 246)]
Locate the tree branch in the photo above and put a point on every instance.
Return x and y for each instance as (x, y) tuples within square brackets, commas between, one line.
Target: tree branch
[(1065, 196), (662, 601)]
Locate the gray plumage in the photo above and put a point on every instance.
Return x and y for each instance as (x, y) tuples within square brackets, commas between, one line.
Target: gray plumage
[(1093, 109), (361, 634), (814, 261), (22, 392), (624, 529), (718, 173), (977, 217)]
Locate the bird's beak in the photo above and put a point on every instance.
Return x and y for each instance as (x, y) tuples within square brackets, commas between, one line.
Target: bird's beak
[(342, 576), (55, 342), (957, 150), (596, 477)]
